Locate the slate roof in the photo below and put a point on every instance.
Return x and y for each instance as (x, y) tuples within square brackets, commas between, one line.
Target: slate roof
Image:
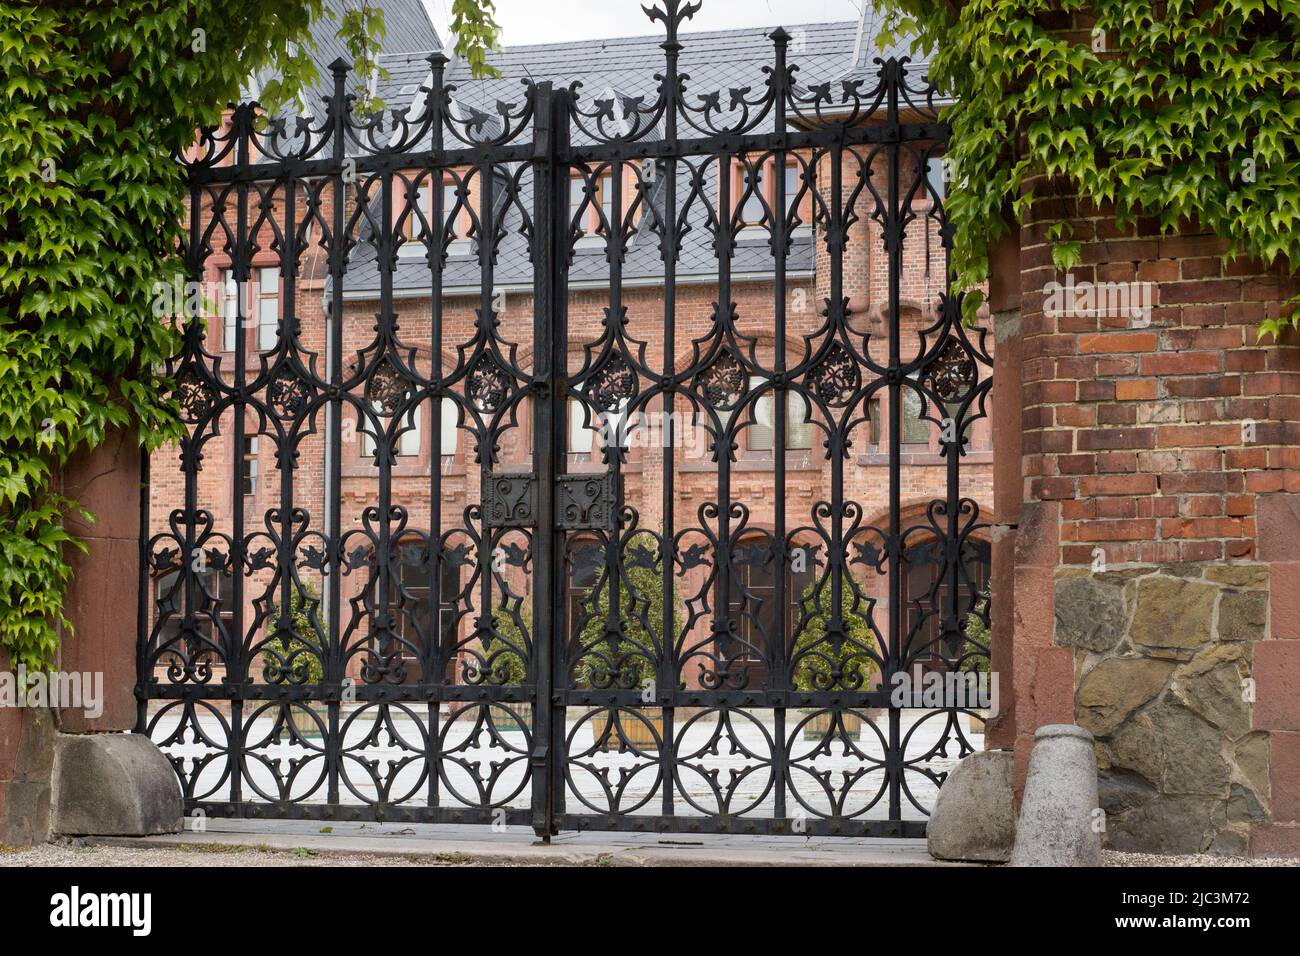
[(715, 61)]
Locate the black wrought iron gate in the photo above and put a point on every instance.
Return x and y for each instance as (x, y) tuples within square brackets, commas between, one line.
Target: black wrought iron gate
[(591, 550)]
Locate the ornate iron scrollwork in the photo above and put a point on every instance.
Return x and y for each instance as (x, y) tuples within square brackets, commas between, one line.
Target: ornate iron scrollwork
[(953, 373), (694, 617)]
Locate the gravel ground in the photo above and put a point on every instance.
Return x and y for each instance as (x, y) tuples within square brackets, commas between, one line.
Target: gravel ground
[(1111, 858)]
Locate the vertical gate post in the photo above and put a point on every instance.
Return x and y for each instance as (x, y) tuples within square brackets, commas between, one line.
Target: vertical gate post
[(548, 359), (1007, 405)]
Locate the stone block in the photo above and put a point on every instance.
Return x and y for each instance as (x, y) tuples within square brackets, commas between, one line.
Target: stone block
[(1277, 676), (1284, 777), (1278, 520), (1177, 824), (1284, 597), (974, 817), (113, 785), (26, 761), (1210, 685), (1251, 757), (1090, 612), (1173, 612), (1116, 688), (1243, 616), (1275, 840)]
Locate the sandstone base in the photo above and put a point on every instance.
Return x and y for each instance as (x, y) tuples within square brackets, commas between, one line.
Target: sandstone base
[(26, 758)]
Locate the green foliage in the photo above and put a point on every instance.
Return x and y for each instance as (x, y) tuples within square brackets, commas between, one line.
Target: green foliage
[(633, 656), (505, 664), (296, 654), (1161, 124), (94, 100), (977, 639), (814, 660), (476, 34)]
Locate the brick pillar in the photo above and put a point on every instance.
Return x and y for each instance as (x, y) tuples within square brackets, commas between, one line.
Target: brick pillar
[(1160, 511), (101, 606)]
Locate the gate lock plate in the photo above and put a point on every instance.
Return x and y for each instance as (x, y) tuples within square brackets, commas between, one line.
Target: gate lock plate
[(582, 502)]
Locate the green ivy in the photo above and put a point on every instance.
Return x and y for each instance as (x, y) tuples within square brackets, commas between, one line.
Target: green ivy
[(96, 97), (1187, 114)]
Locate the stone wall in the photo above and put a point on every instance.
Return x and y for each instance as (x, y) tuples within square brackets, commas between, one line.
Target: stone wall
[(1163, 660)]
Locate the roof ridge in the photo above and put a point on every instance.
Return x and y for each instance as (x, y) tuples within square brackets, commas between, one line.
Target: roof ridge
[(685, 36)]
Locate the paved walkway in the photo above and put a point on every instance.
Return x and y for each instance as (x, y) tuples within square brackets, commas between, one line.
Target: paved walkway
[(471, 844)]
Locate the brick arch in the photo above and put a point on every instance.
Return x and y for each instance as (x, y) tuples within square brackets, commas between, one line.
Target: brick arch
[(912, 514)]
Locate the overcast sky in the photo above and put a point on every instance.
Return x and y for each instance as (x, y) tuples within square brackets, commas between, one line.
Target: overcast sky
[(553, 21)]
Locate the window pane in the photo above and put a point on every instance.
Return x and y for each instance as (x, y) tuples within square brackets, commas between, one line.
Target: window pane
[(229, 310), (579, 436), (450, 436), (448, 205), (916, 430), (798, 426), (792, 186), (268, 308), (952, 410), (576, 197), (408, 444), (249, 465), (934, 174), (753, 209), (365, 425), (611, 426), (413, 225), (873, 411), (607, 198), (762, 431)]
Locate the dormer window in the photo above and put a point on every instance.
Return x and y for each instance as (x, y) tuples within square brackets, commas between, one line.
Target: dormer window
[(753, 192)]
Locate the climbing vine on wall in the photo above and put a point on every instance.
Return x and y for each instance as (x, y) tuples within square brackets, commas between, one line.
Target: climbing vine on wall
[(1182, 112), (94, 99)]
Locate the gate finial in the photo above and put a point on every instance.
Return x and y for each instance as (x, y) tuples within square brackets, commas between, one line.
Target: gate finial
[(674, 14)]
